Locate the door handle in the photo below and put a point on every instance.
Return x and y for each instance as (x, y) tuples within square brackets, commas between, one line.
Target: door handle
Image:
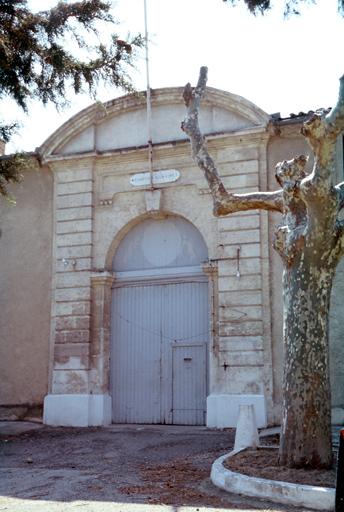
[(187, 358)]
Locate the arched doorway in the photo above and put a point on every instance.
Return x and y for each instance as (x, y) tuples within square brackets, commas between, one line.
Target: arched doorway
[(160, 325)]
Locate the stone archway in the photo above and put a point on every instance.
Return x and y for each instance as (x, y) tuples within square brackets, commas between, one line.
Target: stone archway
[(160, 324)]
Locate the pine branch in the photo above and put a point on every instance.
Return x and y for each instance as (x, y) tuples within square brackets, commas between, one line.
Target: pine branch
[(35, 61)]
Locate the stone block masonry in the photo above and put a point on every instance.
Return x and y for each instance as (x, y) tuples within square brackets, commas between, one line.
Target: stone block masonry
[(96, 206), (243, 343), (73, 257)]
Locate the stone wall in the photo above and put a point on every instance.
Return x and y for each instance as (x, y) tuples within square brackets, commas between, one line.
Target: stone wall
[(72, 265)]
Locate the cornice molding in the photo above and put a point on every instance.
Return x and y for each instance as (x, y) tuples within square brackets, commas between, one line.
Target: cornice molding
[(251, 136)]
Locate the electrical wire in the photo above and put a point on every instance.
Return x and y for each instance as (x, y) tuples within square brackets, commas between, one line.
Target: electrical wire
[(176, 340)]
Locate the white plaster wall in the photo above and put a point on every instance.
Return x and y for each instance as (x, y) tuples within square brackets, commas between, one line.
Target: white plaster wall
[(128, 129), (82, 142), (25, 290), (336, 344)]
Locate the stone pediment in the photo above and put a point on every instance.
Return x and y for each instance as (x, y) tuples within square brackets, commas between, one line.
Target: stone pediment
[(121, 123)]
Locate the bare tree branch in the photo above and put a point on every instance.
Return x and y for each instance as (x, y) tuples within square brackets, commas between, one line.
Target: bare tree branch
[(224, 202), (231, 203), (321, 131), (192, 98), (289, 175), (289, 237), (321, 127), (335, 119)]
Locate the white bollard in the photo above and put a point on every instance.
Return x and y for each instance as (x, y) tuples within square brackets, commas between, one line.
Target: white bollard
[(246, 434)]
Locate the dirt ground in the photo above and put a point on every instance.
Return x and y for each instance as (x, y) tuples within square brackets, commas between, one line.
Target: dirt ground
[(122, 468), (263, 463)]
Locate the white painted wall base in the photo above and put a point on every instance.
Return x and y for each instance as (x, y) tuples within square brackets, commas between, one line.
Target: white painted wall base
[(223, 410), (77, 410)]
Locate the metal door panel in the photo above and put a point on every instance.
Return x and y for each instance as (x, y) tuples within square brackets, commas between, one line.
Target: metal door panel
[(189, 384), (150, 381), (136, 357), (185, 320)]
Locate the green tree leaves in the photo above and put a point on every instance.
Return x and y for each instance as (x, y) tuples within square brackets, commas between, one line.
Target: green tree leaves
[(37, 61)]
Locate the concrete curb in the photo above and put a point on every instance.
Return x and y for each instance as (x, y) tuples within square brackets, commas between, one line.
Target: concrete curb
[(317, 498)]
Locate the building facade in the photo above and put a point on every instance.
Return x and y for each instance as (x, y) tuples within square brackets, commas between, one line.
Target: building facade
[(132, 303)]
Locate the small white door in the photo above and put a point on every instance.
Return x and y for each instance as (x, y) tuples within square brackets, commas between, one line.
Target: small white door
[(189, 384)]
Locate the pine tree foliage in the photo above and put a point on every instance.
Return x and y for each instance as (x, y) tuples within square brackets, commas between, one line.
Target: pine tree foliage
[(36, 63), (290, 6), (11, 169)]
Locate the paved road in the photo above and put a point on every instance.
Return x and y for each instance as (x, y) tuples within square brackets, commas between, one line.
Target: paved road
[(115, 469)]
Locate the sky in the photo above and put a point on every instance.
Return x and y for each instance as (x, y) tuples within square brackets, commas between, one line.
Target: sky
[(281, 65)]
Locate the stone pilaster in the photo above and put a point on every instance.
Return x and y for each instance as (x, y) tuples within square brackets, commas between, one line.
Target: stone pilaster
[(74, 399), (211, 270), (100, 332), (72, 296)]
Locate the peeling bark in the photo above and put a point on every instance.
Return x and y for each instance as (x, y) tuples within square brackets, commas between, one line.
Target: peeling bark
[(310, 242), (306, 427)]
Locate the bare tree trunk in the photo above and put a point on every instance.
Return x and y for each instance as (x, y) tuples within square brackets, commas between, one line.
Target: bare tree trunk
[(310, 243), (306, 427)]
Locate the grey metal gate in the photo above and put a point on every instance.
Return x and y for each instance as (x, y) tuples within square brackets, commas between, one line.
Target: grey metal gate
[(160, 332)]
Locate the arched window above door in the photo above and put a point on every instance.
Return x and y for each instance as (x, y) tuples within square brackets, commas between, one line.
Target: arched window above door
[(167, 243)]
